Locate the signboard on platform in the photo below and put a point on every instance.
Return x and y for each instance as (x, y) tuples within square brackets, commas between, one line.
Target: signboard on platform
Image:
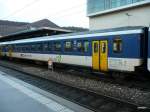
[(50, 64)]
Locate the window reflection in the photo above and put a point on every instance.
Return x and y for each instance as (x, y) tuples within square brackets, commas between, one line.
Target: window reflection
[(94, 6)]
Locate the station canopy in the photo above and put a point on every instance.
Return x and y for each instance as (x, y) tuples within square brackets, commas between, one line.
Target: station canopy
[(33, 33)]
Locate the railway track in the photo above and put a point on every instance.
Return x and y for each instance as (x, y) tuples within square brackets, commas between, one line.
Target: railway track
[(90, 100), (140, 82)]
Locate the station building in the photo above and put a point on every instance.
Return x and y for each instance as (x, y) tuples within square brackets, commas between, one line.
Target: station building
[(105, 14)]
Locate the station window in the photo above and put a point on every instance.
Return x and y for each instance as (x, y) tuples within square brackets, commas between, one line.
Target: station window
[(68, 46), (57, 46), (86, 46), (117, 45)]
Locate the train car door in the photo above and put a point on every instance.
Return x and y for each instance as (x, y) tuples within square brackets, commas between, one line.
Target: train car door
[(100, 55), (95, 55), (104, 55)]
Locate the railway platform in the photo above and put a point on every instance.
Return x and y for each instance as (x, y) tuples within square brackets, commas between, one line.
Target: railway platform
[(18, 96)]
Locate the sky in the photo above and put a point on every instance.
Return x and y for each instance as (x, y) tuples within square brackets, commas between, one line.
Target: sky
[(61, 12)]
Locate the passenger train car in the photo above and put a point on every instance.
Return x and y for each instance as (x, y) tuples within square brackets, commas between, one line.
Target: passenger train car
[(119, 49)]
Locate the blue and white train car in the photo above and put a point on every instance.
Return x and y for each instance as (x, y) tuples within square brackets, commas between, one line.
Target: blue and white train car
[(119, 49)]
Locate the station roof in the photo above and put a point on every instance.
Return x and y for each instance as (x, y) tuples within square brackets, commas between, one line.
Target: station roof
[(33, 33)]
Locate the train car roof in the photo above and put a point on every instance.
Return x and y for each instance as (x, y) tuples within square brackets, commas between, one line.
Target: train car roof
[(105, 32)]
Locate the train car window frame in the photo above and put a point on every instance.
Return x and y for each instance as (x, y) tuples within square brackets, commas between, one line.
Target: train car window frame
[(45, 46), (33, 47), (117, 45), (68, 48), (57, 47), (86, 45), (50, 46), (39, 47), (27, 47), (79, 48)]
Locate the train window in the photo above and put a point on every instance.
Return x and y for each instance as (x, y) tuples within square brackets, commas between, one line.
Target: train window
[(86, 46), (39, 47), (33, 48), (50, 46), (57, 46), (95, 47), (68, 46), (117, 45), (1, 48), (79, 46), (24, 48), (74, 45), (28, 47), (45, 46)]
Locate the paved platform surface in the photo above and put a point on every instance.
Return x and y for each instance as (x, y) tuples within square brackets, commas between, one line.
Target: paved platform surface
[(15, 97), (12, 100)]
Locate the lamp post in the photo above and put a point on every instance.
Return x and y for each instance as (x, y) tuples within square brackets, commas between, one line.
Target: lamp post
[(128, 15)]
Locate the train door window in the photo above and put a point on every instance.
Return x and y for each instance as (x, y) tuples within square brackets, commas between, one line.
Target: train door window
[(117, 45), (103, 47), (86, 46), (79, 46), (68, 46), (57, 46), (95, 47)]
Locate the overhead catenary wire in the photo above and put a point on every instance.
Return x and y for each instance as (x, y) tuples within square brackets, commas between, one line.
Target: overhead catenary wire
[(59, 13), (21, 9)]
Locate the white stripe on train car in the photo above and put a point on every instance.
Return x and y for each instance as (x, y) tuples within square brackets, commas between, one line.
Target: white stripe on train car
[(68, 59), (123, 64), (74, 36), (120, 64)]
